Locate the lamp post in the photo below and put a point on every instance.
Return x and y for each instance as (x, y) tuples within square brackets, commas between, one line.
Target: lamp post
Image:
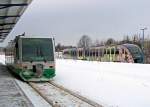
[(143, 37), (143, 29)]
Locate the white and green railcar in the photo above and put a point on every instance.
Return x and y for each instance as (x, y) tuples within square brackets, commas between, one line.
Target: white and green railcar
[(31, 58)]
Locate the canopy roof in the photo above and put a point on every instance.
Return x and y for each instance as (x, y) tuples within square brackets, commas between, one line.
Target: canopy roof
[(10, 12)]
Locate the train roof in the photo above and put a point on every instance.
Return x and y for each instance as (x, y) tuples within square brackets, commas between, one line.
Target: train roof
[(33, 36), (10, 13), (98, 47), (29, 37), (130, 45)]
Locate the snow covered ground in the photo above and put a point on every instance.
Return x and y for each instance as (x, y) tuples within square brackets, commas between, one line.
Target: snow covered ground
[(107, 83), (2, 59), (34, 97)]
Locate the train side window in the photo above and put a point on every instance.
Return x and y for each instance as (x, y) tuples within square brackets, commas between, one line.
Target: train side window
[(75, 53), (101, 52), (79, 53), (96, 52), (104, 51), (86, 53), (117, 51), (91, 53), (72, 52), (112, 51), (69, 53), (108, 51), (17, 50)]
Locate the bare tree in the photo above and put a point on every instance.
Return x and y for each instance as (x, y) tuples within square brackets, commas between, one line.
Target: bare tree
[(96, 43), (110, 41), (58, 47), (85, 41), (126, 39), (102, 43)]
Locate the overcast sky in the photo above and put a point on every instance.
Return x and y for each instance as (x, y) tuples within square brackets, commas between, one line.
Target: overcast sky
[(68, 20)]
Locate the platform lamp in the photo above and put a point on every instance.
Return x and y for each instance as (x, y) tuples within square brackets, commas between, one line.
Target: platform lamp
[(143, 29)]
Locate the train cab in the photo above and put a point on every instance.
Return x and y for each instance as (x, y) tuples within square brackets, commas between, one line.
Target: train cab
[(136, 53)]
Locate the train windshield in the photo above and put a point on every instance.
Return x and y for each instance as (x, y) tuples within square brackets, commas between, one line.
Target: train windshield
[(135, 51), (37, 49)]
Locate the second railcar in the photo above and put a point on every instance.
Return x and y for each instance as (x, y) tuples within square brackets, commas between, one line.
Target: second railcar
[(120, 53)]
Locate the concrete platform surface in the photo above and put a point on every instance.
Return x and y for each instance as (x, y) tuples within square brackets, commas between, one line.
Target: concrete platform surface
[(10, 93)]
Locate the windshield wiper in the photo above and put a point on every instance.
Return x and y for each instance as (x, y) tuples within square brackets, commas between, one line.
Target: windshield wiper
[(41, 52), (37, 51)]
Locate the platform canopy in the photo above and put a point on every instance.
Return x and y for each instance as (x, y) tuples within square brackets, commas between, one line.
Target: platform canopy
[(10, 13)]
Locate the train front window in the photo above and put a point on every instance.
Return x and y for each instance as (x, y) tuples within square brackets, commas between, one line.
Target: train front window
[(135, 51), (37, 49)]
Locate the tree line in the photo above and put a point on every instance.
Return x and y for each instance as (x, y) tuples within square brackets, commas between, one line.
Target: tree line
[(86, 41)]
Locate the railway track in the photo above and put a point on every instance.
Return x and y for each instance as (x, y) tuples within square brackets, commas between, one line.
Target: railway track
[(58, 96)]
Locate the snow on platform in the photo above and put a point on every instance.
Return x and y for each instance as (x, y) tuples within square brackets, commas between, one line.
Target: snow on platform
[(16, 93), (2, 58), (10, 93), (107, 83), (34, 97)]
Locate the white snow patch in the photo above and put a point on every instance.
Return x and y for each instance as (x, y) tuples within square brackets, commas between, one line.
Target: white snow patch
[(107, 83), (32, 95), (2, 59)]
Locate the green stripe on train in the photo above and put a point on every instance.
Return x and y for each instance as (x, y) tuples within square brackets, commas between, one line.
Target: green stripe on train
[(47, 73), (28, 74)]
